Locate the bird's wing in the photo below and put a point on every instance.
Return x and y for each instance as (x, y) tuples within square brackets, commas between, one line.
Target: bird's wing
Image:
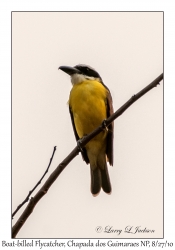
[(110, 136), (84, 153)]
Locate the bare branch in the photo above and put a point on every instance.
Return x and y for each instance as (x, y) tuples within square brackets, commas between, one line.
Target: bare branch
[(75, 151), (39, 182)]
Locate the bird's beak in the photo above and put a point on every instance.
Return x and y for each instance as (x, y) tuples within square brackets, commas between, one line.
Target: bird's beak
[(69, 70)]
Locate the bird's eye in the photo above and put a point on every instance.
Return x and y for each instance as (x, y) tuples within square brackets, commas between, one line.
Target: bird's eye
[(87, 69)]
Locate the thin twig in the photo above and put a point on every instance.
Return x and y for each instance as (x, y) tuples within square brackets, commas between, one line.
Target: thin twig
[(39, 182), (75, 151)]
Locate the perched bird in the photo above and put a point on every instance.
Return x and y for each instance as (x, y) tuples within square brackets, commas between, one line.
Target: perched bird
[(90, 103)]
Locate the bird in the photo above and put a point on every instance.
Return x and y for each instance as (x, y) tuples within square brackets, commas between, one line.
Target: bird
[(90, 103)]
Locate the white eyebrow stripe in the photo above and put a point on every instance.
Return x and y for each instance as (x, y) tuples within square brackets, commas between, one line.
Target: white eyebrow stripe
[(84, 65)]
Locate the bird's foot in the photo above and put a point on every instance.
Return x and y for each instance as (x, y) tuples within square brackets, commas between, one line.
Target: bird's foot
[(79, 142), (104, 125)]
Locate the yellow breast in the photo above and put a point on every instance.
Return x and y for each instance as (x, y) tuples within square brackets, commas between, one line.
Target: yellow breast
[(88, 104)]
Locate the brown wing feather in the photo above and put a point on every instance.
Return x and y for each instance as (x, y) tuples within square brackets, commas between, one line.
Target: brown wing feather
[(84, 153), (110, 136)]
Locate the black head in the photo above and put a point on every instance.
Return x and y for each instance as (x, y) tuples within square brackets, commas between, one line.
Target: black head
[(87, 71)]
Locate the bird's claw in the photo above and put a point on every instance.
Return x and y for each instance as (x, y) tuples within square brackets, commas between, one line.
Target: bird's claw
[(79, 145), (104, 125)]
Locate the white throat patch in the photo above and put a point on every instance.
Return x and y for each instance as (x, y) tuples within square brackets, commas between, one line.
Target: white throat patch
[(77, 78)]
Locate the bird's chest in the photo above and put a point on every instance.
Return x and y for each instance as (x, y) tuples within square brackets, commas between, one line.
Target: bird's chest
[(88, 104), (87, 95)]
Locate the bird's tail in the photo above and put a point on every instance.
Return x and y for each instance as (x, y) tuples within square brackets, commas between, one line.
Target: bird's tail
[(100, 178)]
